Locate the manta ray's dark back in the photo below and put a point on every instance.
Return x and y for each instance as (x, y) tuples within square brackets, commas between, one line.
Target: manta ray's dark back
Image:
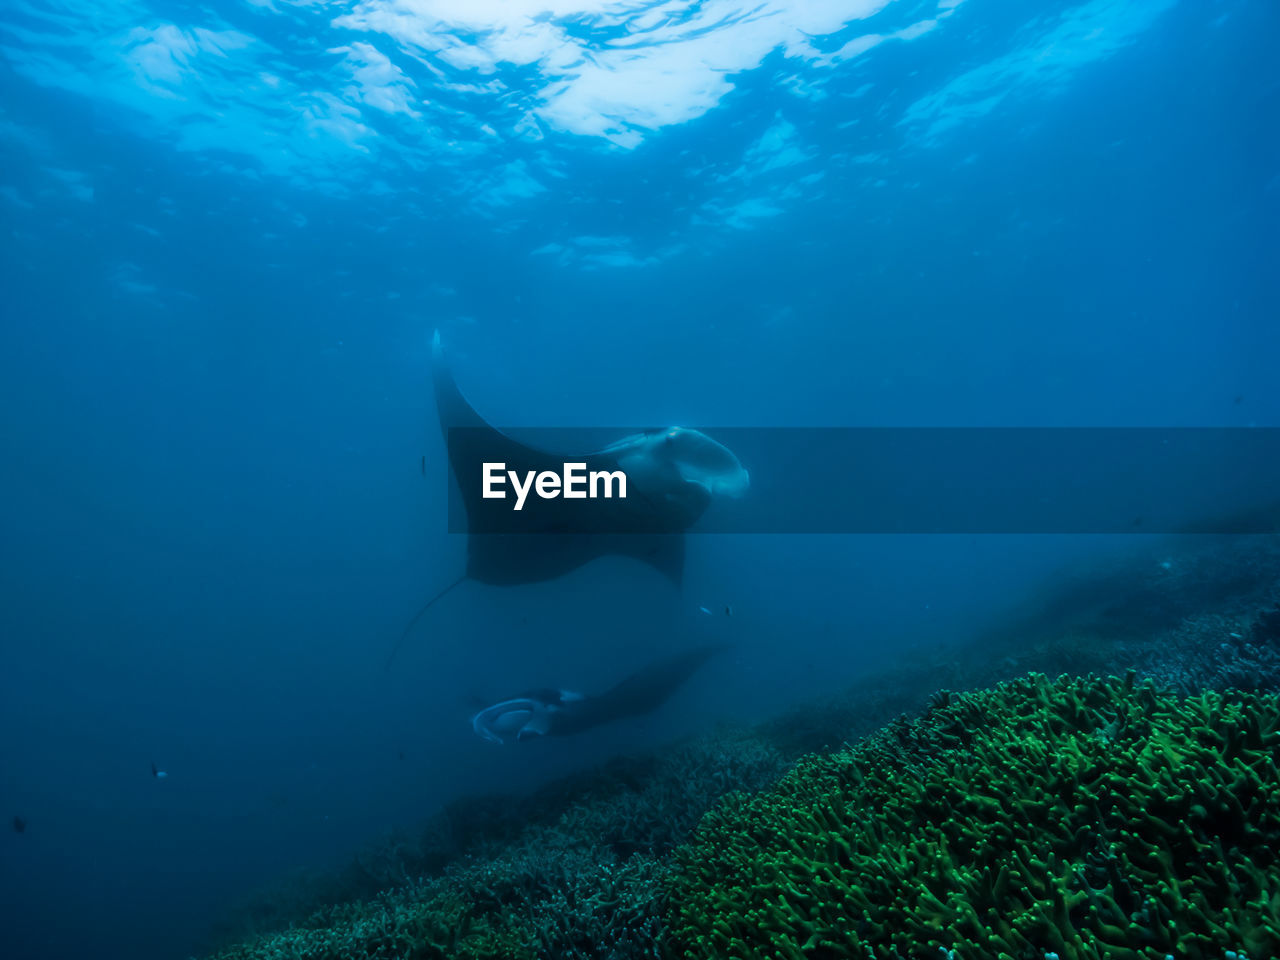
[(552, 537), (507, 547)]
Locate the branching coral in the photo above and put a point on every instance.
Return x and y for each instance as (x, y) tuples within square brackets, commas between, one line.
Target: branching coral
[(583, 878), (426, 921), (1210, 651), (579, 869), (1087, 818)]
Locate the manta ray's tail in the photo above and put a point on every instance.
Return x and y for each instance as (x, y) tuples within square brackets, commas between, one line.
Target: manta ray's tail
[(414, 622)]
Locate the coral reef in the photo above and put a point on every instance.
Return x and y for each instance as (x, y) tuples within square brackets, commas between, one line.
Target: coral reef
[(581, 868), (1208, 652), (536, 899), (1080, 817)]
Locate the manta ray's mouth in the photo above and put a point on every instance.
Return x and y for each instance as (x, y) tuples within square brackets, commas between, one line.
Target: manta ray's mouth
[(510, 720)]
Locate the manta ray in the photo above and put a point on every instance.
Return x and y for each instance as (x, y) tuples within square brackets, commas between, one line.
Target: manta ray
[(673, 474), (558, 713)]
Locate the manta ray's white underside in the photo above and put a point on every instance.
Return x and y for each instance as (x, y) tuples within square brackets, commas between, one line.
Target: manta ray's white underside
[(650, 459)]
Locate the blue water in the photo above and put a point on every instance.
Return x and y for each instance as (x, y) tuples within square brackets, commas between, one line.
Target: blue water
[(229, 230)]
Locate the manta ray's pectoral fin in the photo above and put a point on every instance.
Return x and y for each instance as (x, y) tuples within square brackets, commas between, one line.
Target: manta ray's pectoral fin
[(452, 407)]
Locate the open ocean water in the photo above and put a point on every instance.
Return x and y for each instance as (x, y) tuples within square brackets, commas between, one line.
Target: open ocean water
[(229, 232)]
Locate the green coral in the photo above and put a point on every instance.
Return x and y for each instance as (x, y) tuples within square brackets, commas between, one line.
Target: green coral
[(1084, 817)]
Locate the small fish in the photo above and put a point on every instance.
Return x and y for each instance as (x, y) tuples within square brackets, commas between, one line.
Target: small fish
[(705, 610), (424, 464), (158, 774), (19, 825), (728, 610)]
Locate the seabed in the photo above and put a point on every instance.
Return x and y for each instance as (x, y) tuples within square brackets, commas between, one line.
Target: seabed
[(1097, 780)]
